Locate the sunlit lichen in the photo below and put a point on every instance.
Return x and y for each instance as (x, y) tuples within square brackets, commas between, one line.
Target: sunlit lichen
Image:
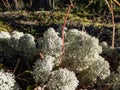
[(51, 44), (7, 81), (62, 79), (42, 69), (81, 50)]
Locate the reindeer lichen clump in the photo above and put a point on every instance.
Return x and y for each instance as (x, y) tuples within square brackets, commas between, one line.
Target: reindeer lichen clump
[(63, 79), (82, 56), (18, 42), (43, 69), (51, 44), (7, 81), (113, 80), (4, 36)]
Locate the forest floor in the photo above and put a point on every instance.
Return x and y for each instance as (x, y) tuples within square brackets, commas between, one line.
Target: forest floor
[(36, 22)]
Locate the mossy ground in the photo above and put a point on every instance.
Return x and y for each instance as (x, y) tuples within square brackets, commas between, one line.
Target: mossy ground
[(5, 27), (31, 21)]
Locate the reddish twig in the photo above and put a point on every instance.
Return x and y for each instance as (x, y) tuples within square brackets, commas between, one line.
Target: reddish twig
[(64, 24), (17, 65), (110, 6), (113, 25), (117, 2), (6, 3)]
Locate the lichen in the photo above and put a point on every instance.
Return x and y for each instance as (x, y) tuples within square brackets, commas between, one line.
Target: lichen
[(7, 81), (99, 69), (19, 42), (81, 50), (82, 55), (51, 44), (42, 69), (62, 79)]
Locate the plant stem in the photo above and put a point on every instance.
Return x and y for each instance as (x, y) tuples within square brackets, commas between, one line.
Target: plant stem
[(113, 25), (65, 20)]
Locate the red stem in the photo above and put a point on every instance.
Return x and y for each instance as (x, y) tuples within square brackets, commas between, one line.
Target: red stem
[(66, 17)]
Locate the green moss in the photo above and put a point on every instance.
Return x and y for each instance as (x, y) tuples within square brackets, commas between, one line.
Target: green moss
[(1, 66), (4, 27)]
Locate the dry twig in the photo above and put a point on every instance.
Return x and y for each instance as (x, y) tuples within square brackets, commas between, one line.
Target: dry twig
[(6, 3), (110, 6), (64, 24)]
